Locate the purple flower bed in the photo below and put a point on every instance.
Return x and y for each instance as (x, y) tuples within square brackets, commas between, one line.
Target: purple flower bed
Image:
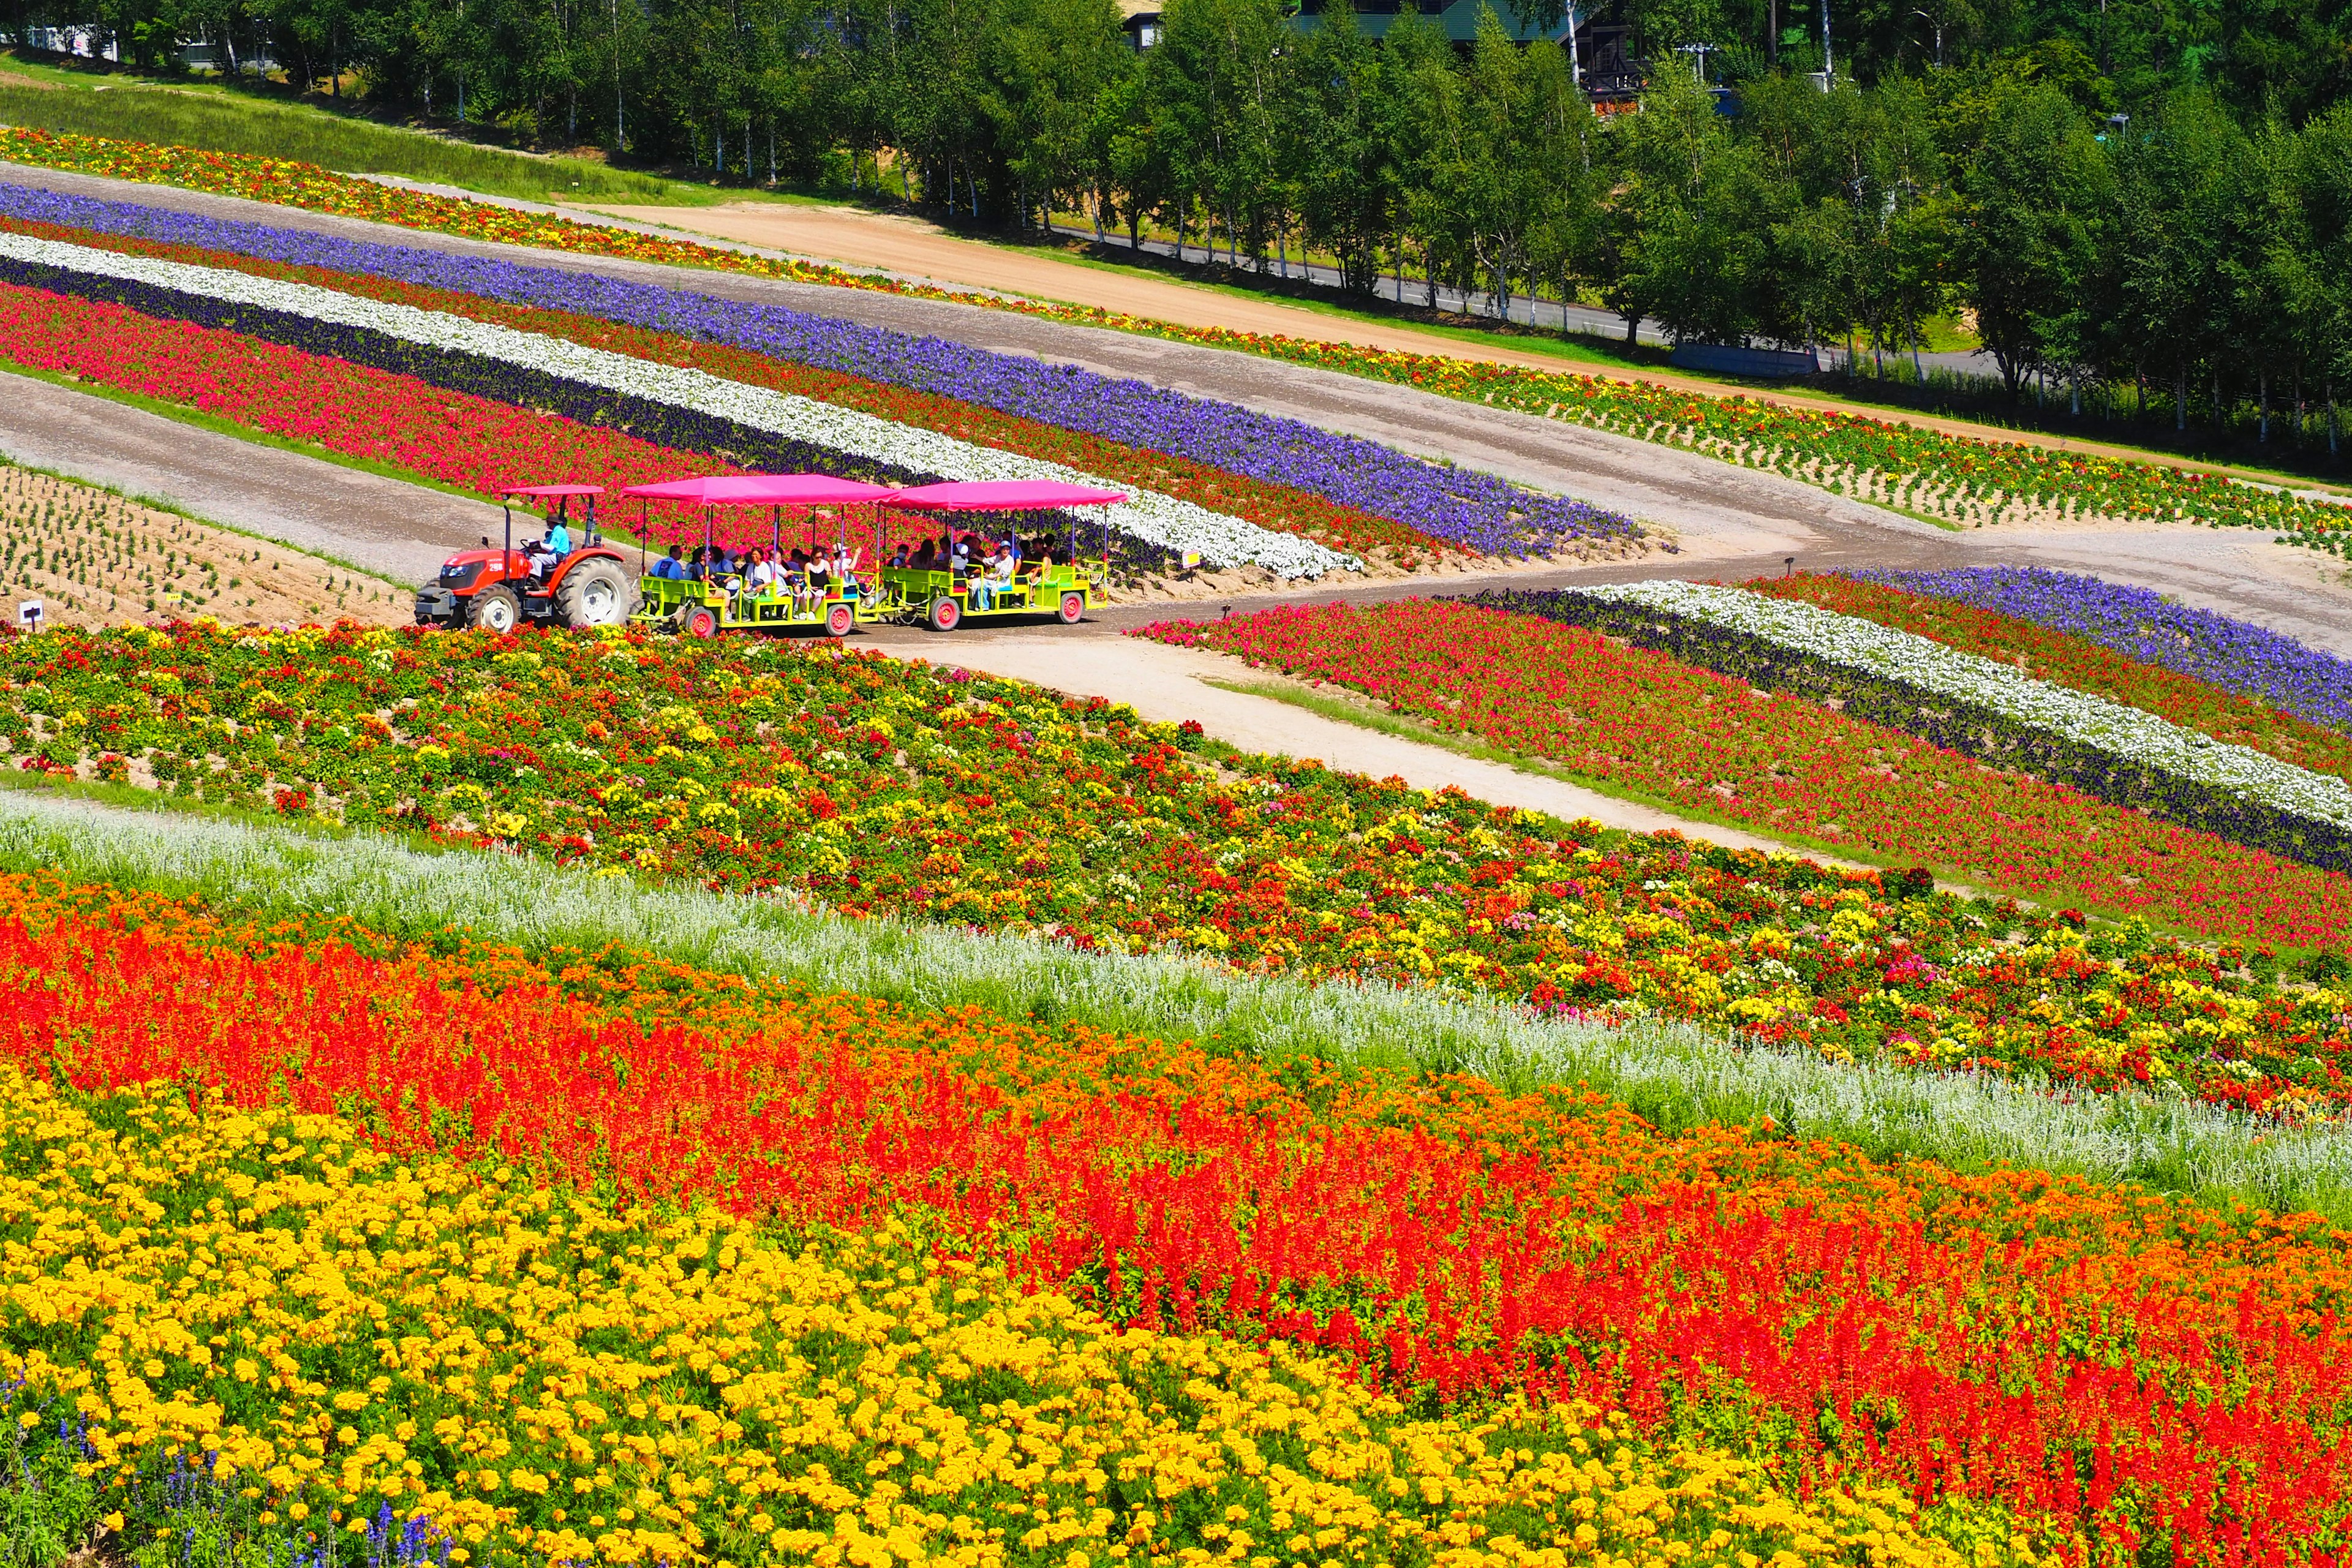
[(1467, 509), (2232, 655)]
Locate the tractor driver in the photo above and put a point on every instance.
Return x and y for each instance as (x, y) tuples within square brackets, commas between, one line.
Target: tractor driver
[(552, 549)]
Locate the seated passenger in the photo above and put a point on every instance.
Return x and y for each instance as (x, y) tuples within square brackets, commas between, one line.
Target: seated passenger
[(898, 556), (818, 576), (995, 576), (760, 577), (669, 566)]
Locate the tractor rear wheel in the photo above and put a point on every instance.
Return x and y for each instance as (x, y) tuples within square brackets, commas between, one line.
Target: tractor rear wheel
[(1073, 610), (946, 613), (701, 621), (839, 619), (494, 610), (595, 593)]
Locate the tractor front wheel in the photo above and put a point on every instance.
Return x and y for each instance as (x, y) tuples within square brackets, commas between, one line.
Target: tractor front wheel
[(595, 593), (1073, 610), (701, 621), (839, 619), (494, 610), (946, 613)]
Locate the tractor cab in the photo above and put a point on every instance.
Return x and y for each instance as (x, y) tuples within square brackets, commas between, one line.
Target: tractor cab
[(498, 587)]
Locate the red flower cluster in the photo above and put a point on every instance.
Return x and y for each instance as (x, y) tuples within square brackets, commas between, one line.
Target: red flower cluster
[(1704, 741)]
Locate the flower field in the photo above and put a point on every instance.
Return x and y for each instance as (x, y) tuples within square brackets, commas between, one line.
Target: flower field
[(2212, 699), (2145, 628), (753, 1398), (555, 1099), (1961, 480), (1981, 707), (445, 435), (878, 786), (1688, 735), (532, 369), (466, 442), (1377, 497), (1168, 1190)]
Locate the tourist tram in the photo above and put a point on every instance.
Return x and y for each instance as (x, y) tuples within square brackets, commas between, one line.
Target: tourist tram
[(943, 598), (1004, 579)]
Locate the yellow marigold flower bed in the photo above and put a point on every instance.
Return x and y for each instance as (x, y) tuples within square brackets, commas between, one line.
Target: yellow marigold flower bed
[(342, 1340)]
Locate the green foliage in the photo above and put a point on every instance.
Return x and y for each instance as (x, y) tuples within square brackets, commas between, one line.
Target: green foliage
[(2134, 197)]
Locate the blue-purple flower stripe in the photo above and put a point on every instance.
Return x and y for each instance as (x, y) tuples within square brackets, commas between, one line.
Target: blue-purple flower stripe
[(2231, 654)]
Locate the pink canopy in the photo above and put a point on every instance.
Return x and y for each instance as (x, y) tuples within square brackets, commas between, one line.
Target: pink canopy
[(1002, 495), (762, 490), (551, 491)]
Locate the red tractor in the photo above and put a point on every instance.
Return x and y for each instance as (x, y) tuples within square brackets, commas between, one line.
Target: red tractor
[(498, 589)]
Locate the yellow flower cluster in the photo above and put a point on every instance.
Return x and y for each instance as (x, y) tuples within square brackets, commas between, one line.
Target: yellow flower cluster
[(549, 1380)]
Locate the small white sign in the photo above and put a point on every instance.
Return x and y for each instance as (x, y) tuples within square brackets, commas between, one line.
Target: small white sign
[(28, 614)]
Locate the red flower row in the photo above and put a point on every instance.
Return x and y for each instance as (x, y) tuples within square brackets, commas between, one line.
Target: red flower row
[(1779, 763)]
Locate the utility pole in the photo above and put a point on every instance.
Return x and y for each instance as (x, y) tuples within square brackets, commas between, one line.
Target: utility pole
[(1828, 67)]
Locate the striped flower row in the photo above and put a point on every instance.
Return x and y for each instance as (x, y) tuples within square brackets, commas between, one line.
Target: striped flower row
[(1157, 519), (1473, 510), (1980, 707)]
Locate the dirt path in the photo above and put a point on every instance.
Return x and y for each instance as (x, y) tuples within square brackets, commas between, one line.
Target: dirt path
[(1172, 684), (906, 245), (396, 531)]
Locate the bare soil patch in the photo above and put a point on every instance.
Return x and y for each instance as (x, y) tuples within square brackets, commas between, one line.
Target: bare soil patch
[(92, 558)]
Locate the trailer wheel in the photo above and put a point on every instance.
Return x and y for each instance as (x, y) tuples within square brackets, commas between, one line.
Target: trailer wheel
[(839, 620), (494, 610), (1074, 608), (946, 613), (595, 593), (701, 621)]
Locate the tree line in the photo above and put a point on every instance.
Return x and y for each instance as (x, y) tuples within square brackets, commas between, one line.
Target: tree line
[(2121, 208)]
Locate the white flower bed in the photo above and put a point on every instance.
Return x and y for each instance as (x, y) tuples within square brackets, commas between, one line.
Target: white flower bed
[(2119, 730), (1220, 538)]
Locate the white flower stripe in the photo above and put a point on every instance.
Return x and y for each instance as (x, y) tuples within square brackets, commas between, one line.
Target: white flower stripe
[(1220, 538), (2130, 734)]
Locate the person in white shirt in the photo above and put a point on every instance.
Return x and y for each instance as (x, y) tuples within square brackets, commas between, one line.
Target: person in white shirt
[(760, 578)]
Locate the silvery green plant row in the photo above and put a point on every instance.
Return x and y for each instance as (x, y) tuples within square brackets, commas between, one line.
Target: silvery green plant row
[(300, 313), (1677, 1076), (1976, 706)]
